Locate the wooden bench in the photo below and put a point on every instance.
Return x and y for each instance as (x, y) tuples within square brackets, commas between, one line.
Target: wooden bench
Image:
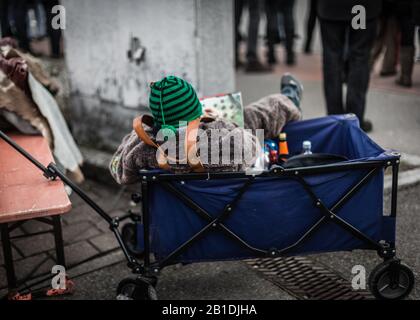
[(26, 194)]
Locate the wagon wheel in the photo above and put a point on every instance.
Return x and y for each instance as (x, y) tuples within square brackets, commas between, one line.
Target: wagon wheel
[(140, 288), (130, 235), (391, 280)]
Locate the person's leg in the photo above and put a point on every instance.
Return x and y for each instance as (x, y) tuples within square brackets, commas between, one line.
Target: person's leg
[(253, 64), (389, 64), (418, 36), (333, 37), (4, 19), (310, 26), (54, 35), (407, 50), (19, 10), (287, 7), (239, 5), (379, 43), (253, 25), (272, 29), (360, 46)]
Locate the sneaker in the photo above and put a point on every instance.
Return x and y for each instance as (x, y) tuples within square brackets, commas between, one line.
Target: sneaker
[(289, 80), (256, 66)]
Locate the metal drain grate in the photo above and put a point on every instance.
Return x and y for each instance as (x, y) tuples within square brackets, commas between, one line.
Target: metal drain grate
[(305, 280)]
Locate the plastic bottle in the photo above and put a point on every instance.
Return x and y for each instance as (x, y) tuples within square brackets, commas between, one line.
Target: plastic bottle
[(307, 145), (263, 161), (283, 148), (272, 149), (266, 160)]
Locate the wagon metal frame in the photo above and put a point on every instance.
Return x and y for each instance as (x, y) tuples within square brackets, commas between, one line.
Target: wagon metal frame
[(385, 250)]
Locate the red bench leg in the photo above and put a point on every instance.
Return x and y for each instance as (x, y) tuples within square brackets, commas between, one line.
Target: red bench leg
[(58, 237), (8, 257)]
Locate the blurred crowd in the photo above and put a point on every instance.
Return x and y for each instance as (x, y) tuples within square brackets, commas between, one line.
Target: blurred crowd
[(396, 38), (387, 36), (280, 28), (26, 20)]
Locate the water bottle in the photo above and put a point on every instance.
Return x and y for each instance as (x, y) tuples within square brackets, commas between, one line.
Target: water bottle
[(266, 160), (307, 147)]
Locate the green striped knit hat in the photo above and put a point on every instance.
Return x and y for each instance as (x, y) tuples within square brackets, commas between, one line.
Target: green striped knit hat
[(172, 100)]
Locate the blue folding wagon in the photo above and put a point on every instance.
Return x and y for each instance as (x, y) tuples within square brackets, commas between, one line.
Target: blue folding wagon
[(198, 217)]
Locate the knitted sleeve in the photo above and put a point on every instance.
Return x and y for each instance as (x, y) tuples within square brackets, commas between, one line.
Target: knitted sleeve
[(270, 113), (131, 156)]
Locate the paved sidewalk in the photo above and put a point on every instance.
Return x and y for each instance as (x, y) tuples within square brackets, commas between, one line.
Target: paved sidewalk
[(86, 236), (394, 111)]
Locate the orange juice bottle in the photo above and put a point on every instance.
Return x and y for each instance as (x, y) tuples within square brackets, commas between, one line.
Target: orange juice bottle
[(283, 148)]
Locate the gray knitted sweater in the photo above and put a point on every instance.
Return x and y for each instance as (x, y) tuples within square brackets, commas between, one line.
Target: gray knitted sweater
[(222, 145)]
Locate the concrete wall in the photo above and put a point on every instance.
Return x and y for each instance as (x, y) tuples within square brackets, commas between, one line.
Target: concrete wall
[(188, 38)]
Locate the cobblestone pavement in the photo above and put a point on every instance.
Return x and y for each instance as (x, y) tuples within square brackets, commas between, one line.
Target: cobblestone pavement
[(86, 235)]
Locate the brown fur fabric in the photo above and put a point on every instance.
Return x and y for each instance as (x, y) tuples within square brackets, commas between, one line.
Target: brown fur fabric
[(15, 95), (270, 113)]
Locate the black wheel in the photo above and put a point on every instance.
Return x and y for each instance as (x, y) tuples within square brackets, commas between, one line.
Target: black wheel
[(391, 280), (130, 237), (140, 288)]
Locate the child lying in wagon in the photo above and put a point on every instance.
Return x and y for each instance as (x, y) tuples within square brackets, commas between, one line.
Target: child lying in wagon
[(179, 123)]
